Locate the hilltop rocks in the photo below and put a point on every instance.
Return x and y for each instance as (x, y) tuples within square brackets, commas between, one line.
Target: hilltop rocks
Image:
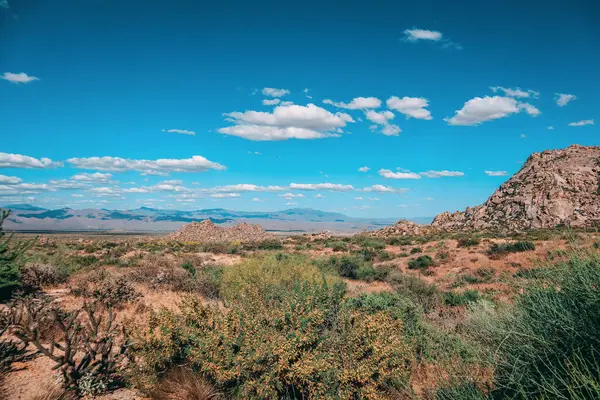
[(555, 187), (207, 232), (403, 228)]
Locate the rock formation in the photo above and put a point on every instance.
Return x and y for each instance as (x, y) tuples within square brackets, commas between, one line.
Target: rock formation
[(403, 228), (553, 188), (207, 232)]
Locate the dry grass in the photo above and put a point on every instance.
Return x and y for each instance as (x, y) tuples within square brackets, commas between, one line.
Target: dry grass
[(184, 384)]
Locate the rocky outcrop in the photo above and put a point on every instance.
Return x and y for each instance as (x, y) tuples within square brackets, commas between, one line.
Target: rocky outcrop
[(207, 232), (553, 188), (403, 228)]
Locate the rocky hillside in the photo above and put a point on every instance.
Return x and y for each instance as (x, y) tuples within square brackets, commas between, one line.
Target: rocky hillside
[(208, 232), (555, 187)]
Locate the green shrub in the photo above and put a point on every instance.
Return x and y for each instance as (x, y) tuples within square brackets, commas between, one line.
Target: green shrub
[(453, 298), (399, 241), (189, 267), (370, 242), (416, 250), (468, 242), (421, 293), (549, 344), (422, 262), (282, 338), (11, 260), (209, 280), (460, 391), (505, 248), (338, 246)]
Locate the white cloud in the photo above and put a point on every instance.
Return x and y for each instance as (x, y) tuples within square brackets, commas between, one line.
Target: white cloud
[(59, 184), (9, 180), (383, 119), (21, 77), (95, 177), (8, 160), (319, 196), (373, 199), (77, 195), (271, 102), (562, 99), (496, 173), (106, 192), (225, 195), (291, 204), (440, 174), (478, 110), (364, 169), (287, 103), (518, 92), (384, 189), (583, 122), (286, 122), (422, 34), (161, 166), (358, 198), (386, 173), (272, 92), (551, 128), (415, 107), (358, 103), (173, 182), (523, 136), (289, 196), (246, 187), (257, 200), (321, 186), (180, 131)]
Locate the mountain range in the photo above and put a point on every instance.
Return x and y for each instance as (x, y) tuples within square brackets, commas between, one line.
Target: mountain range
[(26, 217)]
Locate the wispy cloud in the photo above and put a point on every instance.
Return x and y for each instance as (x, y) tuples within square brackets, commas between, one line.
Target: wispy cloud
[(412, 107), (415, 35), (273, 92), (8, 160), (562, 99), (442, 174), (358, 103), (496, 173), (161, 166), (388, 174), (482, 109), (364, 169), (180, 131), (21, 77), (583, 122), (321, 186), (518, 92)]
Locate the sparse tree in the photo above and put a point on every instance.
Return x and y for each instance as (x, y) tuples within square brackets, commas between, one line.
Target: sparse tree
[(11, 256)]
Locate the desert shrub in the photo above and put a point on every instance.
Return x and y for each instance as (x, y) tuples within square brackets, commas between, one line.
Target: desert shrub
[(416, 250), (36, 275), (549, 344), (596, 245), (365, 253), (11, 259), (338, 246), (189, 267), (209, 280), (421, 293), (383, 255), (485, 273), (221, 248), (399, 241), (84, 344), (160, 272), (421, 262), (505, 248), (182, 383), (453, 298), (348, 266), (268, 244), (369, 242), (114, 292), (468, 242), (369, 273), (467, 390), (300, 344)]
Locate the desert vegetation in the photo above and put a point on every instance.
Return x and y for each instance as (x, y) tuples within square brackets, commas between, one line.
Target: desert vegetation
[(413, 317)]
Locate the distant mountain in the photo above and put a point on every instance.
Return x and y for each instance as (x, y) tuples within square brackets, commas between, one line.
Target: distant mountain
[(26, 217)]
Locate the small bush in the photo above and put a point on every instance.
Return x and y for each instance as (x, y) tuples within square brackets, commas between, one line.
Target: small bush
[(468, 242), (485, 273), (421, 263), (453, 298), (505, 248), (36, 275), (416, 250), (399, 241), (189, 267), (182, 383), (338, 246), (209, 280)]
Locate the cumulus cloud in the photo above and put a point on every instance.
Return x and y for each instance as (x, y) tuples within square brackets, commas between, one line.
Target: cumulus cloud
[(95, 177), (60, 184), (272, 92), (562, 99), (583, 122), (246, 187), (383, 119), (286, 122), (364, 169), (415, 107), (358, 103), (106, 191), (481, 109), (386, 173), (271, 102), (518, 92), (21, 77), (289, 196), (9, 180), (496, 173), (422, 34), (384, 189), (225, 195), (161, 166), (441, 174), (319, 196), (8, 160), (321, 186), (180, 131)]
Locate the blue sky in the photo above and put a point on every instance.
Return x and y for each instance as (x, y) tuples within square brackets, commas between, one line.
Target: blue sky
[(123, 104)]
